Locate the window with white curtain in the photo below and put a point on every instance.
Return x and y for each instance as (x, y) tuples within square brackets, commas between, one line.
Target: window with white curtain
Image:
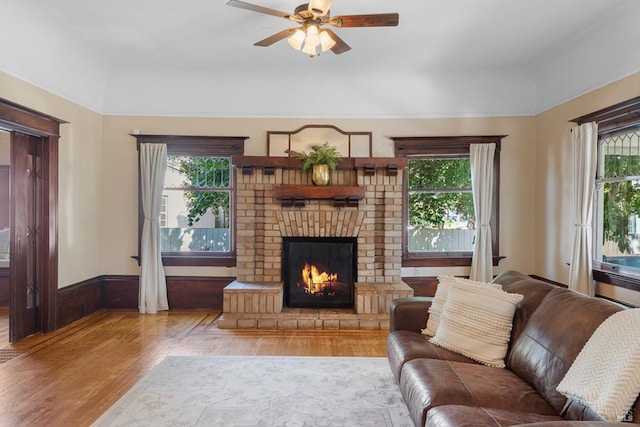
[(438, 212), (198, 207), (616, 213)]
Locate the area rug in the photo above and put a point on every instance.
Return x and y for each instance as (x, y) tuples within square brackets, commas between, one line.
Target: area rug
[(262, 391), (7, 354)]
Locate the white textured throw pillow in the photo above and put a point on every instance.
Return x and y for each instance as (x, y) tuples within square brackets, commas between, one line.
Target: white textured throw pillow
[(476, 322), (440, 298), (606, 374), (435, 309)]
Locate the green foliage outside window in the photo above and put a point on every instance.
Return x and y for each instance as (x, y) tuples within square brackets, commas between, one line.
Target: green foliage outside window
[(621, 200), (205, 172), (437, 189)]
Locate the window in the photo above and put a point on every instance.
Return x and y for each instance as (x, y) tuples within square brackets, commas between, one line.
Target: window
[(163, 211), (439, 217), (440, 206), (618, 201), (616, 213), (197, 219), (197, 188)]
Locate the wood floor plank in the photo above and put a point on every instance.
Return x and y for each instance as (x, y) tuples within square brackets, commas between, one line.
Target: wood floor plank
[(71, 376)]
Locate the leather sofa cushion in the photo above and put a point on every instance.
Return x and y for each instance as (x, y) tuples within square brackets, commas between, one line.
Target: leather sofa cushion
[(553, 337), (428, 383), (470, 416), (534, 292), (403, 346)]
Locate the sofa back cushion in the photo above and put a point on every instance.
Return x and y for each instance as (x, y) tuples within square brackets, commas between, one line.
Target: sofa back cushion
[(553, 337), (533, 291)]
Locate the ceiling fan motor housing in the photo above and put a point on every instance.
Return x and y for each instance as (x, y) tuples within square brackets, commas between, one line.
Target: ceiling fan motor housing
[(319, 7)]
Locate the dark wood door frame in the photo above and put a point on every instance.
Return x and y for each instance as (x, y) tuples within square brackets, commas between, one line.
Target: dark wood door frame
[(14, 117)]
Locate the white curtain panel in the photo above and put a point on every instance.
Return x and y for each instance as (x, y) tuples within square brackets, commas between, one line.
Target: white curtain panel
[(152, 295), (482, 187), (584, 153)]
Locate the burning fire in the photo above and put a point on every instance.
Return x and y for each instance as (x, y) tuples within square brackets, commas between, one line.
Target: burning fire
[(316, 282)]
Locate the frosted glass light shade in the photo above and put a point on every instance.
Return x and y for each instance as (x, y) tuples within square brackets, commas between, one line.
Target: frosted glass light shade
[(313, 38), (326, 41), (309, 50), (296, 39)]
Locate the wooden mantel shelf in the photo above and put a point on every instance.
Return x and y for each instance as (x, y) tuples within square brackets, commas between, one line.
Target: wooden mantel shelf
[(297, 195)]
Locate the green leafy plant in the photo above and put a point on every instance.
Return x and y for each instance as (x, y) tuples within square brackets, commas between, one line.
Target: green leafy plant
[(320, 155)]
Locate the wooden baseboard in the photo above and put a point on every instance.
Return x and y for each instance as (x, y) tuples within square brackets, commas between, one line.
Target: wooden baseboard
[(89, 296), (78, 300)]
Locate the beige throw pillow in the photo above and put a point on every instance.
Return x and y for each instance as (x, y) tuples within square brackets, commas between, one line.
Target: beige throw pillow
[(476, 322), (440, 298)]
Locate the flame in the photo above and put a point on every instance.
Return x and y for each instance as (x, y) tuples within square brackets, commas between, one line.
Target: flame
[(315, 281)]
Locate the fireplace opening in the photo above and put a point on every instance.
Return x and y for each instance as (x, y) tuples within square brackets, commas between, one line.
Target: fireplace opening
[(319, 272)]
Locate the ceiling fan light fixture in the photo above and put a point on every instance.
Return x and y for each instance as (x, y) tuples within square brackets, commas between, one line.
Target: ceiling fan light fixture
[(296, 39), (313, 38), (319, 7), (326, 42), (310, 17)]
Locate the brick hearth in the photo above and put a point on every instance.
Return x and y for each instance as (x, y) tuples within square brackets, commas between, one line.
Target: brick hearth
[(255, 299)]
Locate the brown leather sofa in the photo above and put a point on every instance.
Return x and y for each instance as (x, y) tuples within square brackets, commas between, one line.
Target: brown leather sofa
[(550, 327)]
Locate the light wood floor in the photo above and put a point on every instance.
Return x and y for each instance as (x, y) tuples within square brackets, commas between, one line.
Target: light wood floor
[(70, 377)]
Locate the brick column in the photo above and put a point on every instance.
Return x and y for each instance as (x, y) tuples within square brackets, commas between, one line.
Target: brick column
[(393, 229), (245, 236)]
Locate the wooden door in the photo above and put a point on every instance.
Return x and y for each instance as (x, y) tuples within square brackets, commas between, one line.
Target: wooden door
[(36, 135), (25, 274)]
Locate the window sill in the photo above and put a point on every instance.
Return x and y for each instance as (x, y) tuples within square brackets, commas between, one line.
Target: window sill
[(616, 279), (443, 261), (195, 261)]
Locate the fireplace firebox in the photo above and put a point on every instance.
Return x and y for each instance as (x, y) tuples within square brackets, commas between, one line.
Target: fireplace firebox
[(319, 272)]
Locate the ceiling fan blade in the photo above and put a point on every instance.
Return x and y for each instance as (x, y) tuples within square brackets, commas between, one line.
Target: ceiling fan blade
[(275, 38), (373, 20), (340, 46), (255, 8)]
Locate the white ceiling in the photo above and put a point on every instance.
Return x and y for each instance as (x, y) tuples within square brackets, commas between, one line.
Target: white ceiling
[(196, 57)]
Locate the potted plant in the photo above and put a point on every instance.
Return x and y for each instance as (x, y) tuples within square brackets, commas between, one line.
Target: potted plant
[(322, 159)]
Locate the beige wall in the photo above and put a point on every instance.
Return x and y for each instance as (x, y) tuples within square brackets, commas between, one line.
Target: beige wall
[(80, 167), (98, 177), (120, 175), (553, 182)]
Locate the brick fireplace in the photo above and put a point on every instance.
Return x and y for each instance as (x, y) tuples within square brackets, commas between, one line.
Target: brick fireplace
[(275, 200)]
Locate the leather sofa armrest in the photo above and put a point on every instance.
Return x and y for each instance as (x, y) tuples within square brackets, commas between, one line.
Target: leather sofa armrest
[(409, 314)]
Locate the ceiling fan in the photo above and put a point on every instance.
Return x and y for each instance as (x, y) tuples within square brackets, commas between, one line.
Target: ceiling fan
[(310, 37)]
